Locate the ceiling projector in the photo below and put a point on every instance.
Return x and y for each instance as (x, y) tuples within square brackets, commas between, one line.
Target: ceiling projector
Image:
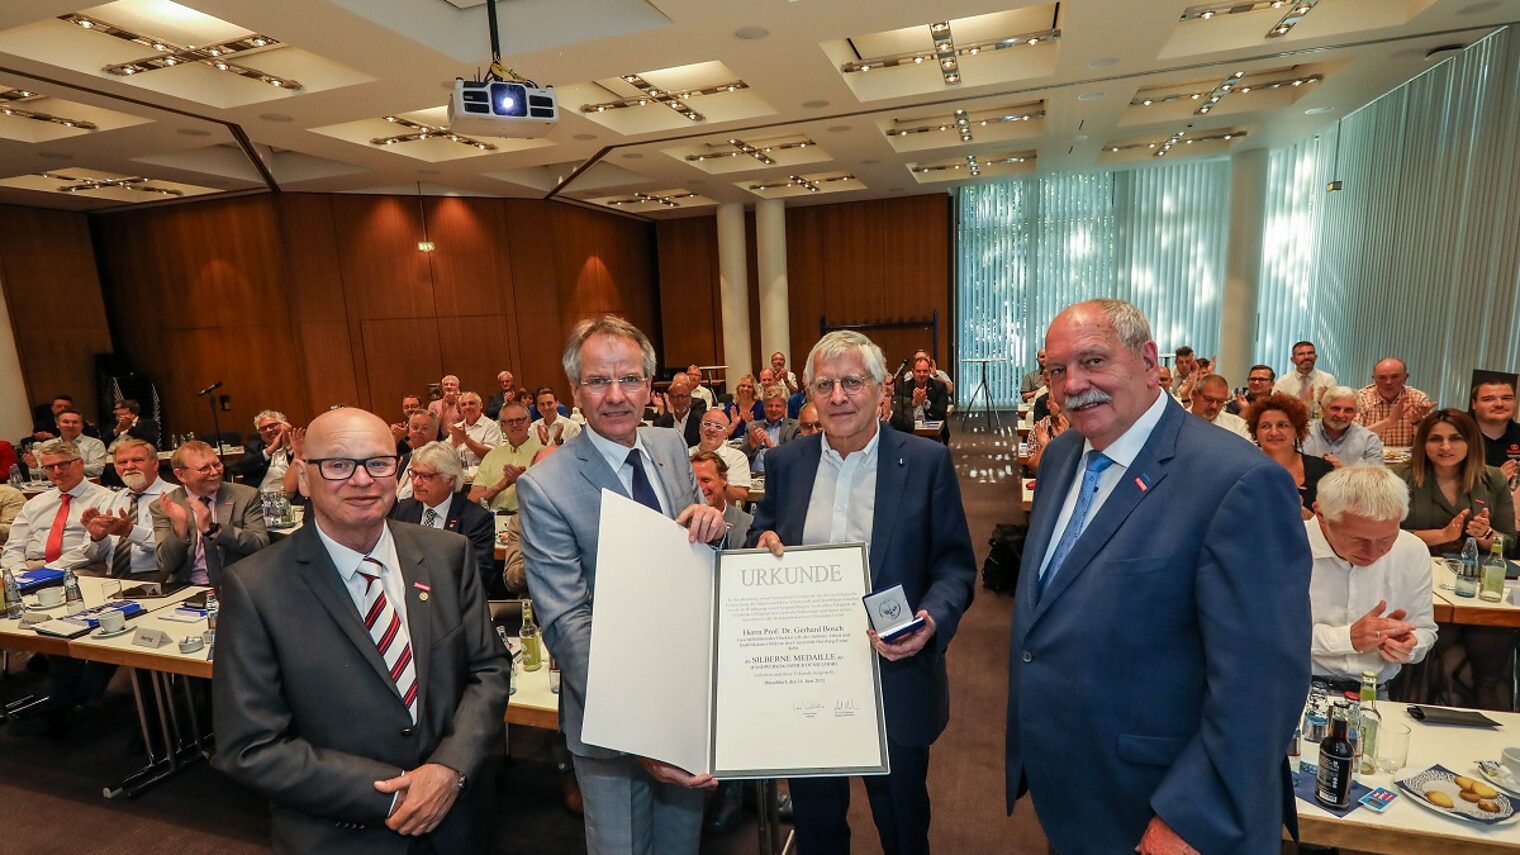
[(502, 108)]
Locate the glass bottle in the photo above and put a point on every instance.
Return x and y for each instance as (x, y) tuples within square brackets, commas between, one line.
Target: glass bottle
[(1372, 721), (533, 651), (1332, 786), (13, 606), (1467, 577), (1491, 587), (71, 592)]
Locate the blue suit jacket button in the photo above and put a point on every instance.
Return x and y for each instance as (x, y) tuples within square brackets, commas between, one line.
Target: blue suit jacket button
[(1028, 657)]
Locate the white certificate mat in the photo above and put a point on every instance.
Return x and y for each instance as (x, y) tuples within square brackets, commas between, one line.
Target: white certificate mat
[(797, 685), (648, 683)]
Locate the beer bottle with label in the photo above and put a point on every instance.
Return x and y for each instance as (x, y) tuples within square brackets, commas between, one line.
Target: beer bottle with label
[(1337, 763)]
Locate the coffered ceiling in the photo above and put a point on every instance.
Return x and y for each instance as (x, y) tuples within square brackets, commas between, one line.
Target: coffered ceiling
[(670, 107)]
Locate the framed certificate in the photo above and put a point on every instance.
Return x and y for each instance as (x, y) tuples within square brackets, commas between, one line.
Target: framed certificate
[(796, 687)]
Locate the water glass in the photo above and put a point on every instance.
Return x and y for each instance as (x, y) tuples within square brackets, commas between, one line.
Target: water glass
[(1392, 746)]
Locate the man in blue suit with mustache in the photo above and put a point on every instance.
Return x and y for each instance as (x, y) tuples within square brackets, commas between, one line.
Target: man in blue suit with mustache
[(1159, 660)]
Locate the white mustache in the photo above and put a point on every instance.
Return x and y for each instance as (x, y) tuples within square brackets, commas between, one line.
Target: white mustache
[(1082, 399)]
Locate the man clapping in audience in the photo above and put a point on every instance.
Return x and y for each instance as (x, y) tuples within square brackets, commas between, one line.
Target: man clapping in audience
[(1337, 437), (500, 396), (124, 530), (775, 430), (474, 435), (551, 427), (496, 480), (446, 408), (1370, 587), (267, 459), (1389, 407), (682, 411), (131, 423), (1258, 385), (699, 392), (70, 424), (49, 530), (208, 524), (421, 429), (782, 374), (1305, 381)]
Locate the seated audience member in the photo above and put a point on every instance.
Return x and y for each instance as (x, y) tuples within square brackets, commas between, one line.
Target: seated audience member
[(48, 529), (699, 391), (131, 423), (774, 430), (925, 396), (765, 380), (1453, 495), (267, 458), (1278, 423), (438, 501), (1044, 431), (715, 432), (70, 426), (1389, 407), (8, 457), (208, 523), (409, 405), (45, 420), (1305, 382), (683, 413), (1185, 373), (11, 501), (496, 480), (446, 408), (1370, 586), (500, 396), (551, 421), (1337, 437), (744, 408), (783, 375), (1164, 379), (712, 480), (934, 371), (124, 529), (1034, 379), (474, 435), (1210, 393), (1493, 408), (808, 422), (421, 429), (1258, 383)]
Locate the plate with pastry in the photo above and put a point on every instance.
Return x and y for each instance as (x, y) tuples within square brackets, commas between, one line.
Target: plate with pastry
[(1465, 797)]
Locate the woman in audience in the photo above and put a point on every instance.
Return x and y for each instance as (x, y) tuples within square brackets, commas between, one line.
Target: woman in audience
[(1453, 495), (745, 407), (1279, 423), (1044, 431)]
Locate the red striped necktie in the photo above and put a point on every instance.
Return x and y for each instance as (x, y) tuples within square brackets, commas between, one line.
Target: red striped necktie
[(390, 637)]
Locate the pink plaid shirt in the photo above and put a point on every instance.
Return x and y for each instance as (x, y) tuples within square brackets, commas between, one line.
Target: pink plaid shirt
[(1373, 409)]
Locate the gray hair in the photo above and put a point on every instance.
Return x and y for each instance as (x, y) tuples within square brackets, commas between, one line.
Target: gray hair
[(1341, 392), (1129, 323), (840, 342), (427, 414), (775, 390), (56, 446), (268, 414), (441, 456), (1374, 492), (604, 325), (470, 396)]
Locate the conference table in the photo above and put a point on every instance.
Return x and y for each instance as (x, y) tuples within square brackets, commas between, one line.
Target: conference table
[(1407, 826), (1471, 611)]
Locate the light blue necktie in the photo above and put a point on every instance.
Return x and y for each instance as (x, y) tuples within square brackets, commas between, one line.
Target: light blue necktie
[(1097, 461)]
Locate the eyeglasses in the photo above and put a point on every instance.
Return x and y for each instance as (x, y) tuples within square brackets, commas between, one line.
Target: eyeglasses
[(52, 467), (521, 420), (852, 385), (714, 426), (343, 468), (269, 427), (629, 383), (419, 475), (208, 469), (810, 425)]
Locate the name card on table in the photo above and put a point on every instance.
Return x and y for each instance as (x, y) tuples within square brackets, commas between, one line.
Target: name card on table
[(150, 638)]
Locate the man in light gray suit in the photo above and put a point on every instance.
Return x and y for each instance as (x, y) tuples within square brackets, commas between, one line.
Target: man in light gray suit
[(776, 430), (208, 523), (632, 804)]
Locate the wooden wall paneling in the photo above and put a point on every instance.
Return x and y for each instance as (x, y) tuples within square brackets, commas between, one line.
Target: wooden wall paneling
[(529, 243), (541, 340), (468, 275), (759, 356), (385, 276), (606, 264), (691, 307), (237, 356), (403, 357), (327, 362), (52, 291), (324, 334), (477, 348)]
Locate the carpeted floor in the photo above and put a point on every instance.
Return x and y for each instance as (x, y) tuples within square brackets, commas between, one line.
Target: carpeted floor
[(52, 790)]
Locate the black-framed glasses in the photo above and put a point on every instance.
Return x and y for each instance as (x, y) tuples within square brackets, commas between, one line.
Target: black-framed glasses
[(629, 383), (824, 386), (343, 468)]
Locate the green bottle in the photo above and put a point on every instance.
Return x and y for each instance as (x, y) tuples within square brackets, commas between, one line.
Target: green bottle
[(1371, 720), (533, 649), (1491, 588)]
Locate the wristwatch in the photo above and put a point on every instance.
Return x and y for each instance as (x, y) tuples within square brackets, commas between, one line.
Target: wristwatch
[(462, 781)]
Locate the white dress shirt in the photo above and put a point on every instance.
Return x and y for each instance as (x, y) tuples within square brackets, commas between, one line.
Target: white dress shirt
[(279, 464), (1339, 594), (1122, 452), (441, 510), (842, 506), (1291, 383), (94, 453), (349, 563), (34, 522), (485, 432), (144, 545), (1233, 423), (705, 395), (563, 427), (404, 480), (616, 455)]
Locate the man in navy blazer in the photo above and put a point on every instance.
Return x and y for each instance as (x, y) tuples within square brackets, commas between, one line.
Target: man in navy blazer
[(438, 486), (1160, 647), (901, 497)]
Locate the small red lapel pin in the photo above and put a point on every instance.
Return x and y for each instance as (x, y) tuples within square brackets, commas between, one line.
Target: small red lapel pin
[(425, 589), (1140, 482)]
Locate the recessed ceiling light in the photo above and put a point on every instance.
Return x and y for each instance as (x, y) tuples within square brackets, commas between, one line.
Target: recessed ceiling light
[(815, 104), (1091, 96), (584, 137), (1316, 111), (751, 33), (194, 132), (275, 117), (1105, 62), (838, 129), (633, 155)]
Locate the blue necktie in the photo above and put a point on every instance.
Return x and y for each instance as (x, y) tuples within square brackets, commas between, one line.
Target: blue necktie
[(1097, 461), (643, 491)]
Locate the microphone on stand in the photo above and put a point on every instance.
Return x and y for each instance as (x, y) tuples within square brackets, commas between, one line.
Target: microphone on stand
[(209, 389)]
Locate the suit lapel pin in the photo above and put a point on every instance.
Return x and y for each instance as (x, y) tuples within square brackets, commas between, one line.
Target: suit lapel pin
[(1141, 482), (424, 589), (902, 461)]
